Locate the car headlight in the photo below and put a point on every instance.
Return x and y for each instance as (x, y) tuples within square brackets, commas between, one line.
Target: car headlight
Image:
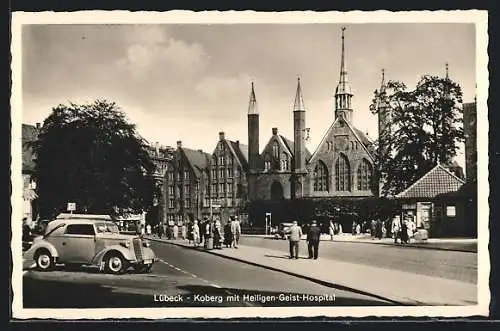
[(146, 243), (125, 244)]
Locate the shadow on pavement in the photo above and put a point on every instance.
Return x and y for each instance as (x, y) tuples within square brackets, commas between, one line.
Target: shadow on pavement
[(286, 257)]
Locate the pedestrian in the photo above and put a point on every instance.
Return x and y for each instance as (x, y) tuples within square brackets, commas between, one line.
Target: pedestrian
[(195, 233), (228, 235), (313, 236), (142, 230), (235, 231), (159, 230), (353, 229), (378, 232), (373, 228), (176, 231), (404, 232), (148, 229), (218, 237), (358, 229), (294, 236), (331, 230), (396, 228), (183, 231)]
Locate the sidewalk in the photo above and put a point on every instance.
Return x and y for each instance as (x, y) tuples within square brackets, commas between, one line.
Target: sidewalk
[(449, 244), (400, 287)]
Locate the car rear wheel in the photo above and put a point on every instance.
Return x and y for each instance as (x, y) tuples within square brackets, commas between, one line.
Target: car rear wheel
[(43, 260), (115, 263)]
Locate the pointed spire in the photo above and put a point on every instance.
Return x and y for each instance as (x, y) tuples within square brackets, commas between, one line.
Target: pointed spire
[(342, 61), (382, 84), (252, 104), (447, 71), (299, 102)]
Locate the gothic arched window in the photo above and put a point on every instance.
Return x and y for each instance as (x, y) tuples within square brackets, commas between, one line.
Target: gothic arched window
[(276, 149), (364, 175), (342, 174), (284, 162), (320, 177)]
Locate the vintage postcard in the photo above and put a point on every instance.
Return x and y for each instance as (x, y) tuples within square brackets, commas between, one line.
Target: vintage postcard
[(216, 164)]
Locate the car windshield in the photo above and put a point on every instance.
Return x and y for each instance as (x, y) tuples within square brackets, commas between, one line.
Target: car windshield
[(107, 227)]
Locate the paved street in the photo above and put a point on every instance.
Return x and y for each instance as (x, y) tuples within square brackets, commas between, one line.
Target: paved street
[(460, 266), (190, 275)]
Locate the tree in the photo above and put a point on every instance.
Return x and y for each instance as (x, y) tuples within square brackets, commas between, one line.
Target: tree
[(424, 127), (89, 154)]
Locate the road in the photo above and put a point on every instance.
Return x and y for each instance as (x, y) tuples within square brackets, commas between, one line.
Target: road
[(460, 266), (194, 277)]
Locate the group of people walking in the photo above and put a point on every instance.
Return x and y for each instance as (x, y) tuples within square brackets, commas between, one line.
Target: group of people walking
[(211, 234), (403, 230)]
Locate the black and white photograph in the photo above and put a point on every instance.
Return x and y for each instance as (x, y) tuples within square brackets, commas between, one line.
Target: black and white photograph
[(212, 164)]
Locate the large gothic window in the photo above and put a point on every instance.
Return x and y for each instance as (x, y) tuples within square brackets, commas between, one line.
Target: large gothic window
[(364, 175), (342, 174), (320, 177)]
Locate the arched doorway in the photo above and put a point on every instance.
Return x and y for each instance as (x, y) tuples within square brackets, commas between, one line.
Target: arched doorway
[(276, 191)]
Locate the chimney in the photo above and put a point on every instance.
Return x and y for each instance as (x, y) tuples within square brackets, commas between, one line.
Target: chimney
[(275, 131), (221, 136), (237, 143), (179, 144), (200, 150), (38, 125)]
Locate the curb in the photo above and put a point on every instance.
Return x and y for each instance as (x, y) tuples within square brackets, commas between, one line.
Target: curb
[(318, 281), (358, 241)]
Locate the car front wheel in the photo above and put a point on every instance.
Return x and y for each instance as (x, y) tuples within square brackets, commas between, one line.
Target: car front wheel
[(115, 263), (43, 260)]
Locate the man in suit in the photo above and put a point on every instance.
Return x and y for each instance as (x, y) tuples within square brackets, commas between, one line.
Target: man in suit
[(235, 231), (313, 240), (294, 236)]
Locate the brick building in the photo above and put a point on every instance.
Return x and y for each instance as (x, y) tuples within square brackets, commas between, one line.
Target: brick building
[(341, 166), (29, 134), (199, 184), (470, 132)]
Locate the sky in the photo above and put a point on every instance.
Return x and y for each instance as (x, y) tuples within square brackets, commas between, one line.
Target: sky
[(188, 82)]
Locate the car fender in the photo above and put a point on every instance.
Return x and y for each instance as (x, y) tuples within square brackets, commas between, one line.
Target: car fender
[(127, 254), (148, 253), (39, 244)]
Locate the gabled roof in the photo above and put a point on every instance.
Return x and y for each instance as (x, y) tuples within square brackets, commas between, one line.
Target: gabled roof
[(360, 136), (240, 150), (436, 182), (29, 134), (291, 145), (197, 159)]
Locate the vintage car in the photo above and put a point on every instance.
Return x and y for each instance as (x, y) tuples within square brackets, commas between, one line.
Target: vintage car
[(73, 239)]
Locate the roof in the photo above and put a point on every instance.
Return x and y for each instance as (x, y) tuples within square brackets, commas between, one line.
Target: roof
[(241, 151), (88, 217), (436, 182), (197, 159), (29, 134), (362, 136), (291, 145)]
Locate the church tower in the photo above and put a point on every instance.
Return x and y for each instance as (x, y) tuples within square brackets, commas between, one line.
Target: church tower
[(343, 92), (253, 142), (299, 131)]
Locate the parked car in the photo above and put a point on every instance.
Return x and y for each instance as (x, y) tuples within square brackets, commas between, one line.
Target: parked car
[(283, 229), (90, 240)]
